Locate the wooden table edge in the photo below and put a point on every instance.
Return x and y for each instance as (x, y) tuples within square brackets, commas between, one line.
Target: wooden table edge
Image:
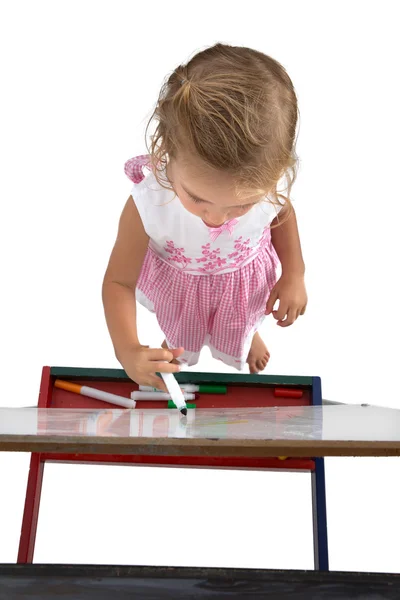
[(196, 446)]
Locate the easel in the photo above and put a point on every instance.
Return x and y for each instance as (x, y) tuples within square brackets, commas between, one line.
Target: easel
[(273, 428), (49, 397)]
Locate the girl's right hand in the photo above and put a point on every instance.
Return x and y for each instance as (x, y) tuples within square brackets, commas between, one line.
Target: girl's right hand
[(141, 364)]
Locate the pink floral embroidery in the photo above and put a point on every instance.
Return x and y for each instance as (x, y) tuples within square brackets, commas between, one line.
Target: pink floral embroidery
[(265, 238), (177, 254), (210, 258), (242, 250), (211, 261)]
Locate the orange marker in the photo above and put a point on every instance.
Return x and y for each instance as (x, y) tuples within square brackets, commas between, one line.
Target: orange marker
[(93, 393)]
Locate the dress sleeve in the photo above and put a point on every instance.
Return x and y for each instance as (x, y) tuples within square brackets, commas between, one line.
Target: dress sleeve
[(134, 167), (134, 171)]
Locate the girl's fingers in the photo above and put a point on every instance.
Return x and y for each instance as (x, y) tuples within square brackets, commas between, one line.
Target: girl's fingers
[(177, 351), (158, 383), (280, 314), (271, 301), (165, 367), (157, 354), (290, 319)]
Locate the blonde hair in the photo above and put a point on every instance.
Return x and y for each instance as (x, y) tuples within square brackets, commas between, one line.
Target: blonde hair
[(236, 109)]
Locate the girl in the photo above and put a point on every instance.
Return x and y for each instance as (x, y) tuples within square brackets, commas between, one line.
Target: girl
[(205, 228)]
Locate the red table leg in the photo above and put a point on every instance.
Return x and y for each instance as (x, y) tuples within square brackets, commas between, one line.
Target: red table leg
[(34, 486), (31, 510)]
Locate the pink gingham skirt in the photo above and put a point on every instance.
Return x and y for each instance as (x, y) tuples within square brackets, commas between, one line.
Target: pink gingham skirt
[(221, 311)]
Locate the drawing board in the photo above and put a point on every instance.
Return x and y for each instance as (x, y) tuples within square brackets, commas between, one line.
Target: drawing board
[(329, 430)]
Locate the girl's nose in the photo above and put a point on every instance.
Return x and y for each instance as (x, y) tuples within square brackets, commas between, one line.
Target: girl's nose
[(216, 221), (216, 224)]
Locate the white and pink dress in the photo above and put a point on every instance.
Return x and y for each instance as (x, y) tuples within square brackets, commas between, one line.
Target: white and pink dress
[(207, 286)]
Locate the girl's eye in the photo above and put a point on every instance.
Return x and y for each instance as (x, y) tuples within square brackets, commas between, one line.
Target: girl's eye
[(199, 202)]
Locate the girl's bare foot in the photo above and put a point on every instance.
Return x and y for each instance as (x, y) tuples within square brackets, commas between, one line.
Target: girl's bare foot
[(258, 356), (173, 361)]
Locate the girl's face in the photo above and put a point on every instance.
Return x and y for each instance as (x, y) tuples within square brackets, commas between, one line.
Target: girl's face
[(207, 193)]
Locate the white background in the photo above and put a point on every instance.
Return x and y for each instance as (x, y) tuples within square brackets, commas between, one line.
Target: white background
[(79, 80)]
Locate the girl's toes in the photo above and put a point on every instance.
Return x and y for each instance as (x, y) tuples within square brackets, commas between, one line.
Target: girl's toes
[(262, 363)]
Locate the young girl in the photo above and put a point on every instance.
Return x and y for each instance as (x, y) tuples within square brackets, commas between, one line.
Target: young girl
[(205, 228)]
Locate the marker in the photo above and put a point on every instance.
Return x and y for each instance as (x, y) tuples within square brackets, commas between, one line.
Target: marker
[(191, 387), (172, 405), (158, 396), (93, 393), (175, 391), (288, 393)]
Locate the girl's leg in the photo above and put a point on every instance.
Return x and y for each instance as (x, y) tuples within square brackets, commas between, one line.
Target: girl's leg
[(258, 356)]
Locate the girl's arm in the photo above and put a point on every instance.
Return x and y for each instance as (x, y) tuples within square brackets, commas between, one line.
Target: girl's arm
[(119, 299), (286, 241), (290, 289), (119, 284)]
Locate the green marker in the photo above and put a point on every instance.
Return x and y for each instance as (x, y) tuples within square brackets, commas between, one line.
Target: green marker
[(171, 404), (191, 387), (205, 389)]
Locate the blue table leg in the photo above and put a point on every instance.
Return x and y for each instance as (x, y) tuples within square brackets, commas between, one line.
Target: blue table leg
[(320, 526)]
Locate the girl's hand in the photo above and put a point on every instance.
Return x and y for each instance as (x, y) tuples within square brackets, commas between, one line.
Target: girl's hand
[(290, 290), (141, 364)]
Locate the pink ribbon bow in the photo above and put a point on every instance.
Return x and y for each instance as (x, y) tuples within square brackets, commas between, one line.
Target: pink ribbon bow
[(134, 167), (228, 226)]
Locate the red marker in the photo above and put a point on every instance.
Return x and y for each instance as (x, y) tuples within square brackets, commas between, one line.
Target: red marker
[(287, 393)]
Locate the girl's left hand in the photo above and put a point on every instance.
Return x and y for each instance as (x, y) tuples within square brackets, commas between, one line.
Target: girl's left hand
[(290, 290)]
